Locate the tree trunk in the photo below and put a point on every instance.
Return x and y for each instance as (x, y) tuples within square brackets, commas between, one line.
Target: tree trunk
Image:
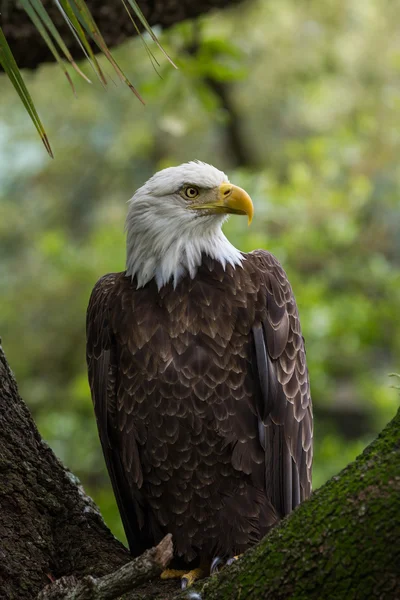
[(49, 527), (343, 543), (110, 15)]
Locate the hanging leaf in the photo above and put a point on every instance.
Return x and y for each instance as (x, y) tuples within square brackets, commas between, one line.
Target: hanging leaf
[(79, 34), (10, 67), (45, 19), (153, 59), (42, 30), (149, 30), (81, 9)]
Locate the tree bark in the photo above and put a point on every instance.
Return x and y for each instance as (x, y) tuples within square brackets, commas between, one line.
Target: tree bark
[(342, 543), (110, 15), (49, 527), (130, 576)]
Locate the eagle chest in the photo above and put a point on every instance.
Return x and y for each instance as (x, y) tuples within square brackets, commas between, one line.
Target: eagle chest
[(184, 379)]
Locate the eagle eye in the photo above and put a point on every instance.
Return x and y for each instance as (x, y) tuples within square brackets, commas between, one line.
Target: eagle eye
[(191, 192)]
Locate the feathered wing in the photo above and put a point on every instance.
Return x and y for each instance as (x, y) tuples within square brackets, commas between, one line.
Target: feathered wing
[(285, 410), (102, 360)]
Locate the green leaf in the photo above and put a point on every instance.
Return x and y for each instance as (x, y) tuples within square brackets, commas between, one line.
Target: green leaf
[(42, 30), (149, 52), (70, 17), (89, 23), (41, 11), (10, 67), (142, 19)]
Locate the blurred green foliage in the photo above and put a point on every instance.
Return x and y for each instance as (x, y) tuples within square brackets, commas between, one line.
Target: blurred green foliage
[(300, 104)]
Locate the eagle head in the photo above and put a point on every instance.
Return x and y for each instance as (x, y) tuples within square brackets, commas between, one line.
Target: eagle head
[(175, 218)]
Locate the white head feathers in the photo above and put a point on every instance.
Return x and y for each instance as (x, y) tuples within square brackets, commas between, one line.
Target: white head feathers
[(165, 239)]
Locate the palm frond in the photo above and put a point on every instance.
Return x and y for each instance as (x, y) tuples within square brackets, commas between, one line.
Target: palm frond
[(79, 34), (11, 69), (85, 30), (142, 19)]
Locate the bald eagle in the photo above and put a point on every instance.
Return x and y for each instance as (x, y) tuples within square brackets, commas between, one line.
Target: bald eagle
[(198, 375)]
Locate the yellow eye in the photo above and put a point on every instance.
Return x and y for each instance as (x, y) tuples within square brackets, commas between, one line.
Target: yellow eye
[(191, 192)]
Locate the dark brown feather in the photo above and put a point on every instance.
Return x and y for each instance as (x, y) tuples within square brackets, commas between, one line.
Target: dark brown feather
[(202, 401)]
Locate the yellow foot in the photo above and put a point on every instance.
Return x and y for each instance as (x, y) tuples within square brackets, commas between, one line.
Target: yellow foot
[(172, 574), (187, 578)]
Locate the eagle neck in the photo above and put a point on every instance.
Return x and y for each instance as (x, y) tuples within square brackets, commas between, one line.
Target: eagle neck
[(167, 256)]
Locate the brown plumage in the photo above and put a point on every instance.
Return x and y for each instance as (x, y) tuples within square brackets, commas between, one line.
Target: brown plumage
[(203, 404)]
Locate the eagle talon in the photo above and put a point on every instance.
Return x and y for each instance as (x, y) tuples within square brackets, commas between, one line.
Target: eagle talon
[(217, 562)]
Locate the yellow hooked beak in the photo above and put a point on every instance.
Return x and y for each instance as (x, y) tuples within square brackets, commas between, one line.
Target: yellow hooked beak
[(230, 199)]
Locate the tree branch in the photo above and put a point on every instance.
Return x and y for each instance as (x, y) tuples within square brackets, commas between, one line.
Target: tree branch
[(110, 15), (130, 576)]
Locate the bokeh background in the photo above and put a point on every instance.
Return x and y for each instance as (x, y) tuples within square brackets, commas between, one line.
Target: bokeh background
[(299, 102)]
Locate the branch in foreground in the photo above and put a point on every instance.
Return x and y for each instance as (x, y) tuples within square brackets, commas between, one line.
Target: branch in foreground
[(342, 543), (130, 576)]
